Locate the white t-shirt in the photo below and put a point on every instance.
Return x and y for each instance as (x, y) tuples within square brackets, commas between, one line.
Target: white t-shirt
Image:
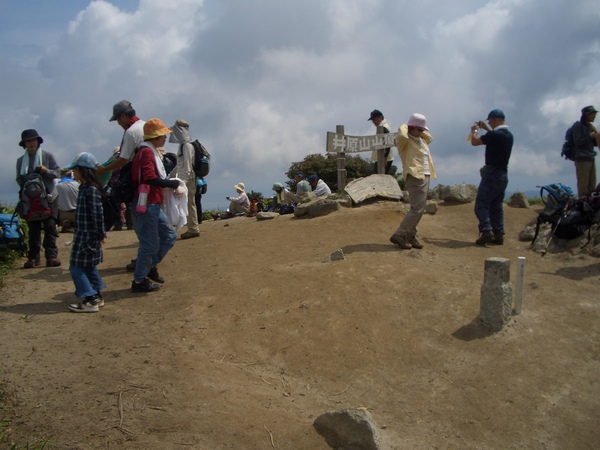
[(132, 138)]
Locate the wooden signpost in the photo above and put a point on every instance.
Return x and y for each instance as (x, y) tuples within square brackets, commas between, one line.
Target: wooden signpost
[(341, 144)]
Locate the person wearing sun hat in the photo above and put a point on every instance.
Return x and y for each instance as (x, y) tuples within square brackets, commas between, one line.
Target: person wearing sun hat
[(412, 142), (155, 235), (237, 205), (36, 161), (585, 138), (498, 143)]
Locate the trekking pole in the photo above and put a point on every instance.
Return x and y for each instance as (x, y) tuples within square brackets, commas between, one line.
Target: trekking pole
[(552, 229)]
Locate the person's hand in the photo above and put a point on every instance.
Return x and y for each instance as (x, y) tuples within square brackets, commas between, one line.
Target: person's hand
[(179, 191)]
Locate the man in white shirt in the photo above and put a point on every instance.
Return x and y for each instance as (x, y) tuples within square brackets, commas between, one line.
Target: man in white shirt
[(320, 189), (378, 120)]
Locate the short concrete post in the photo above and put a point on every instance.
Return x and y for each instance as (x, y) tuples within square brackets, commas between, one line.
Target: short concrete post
[(496, 294)]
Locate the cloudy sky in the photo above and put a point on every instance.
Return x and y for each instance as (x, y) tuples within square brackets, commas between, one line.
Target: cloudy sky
[(261, 82)]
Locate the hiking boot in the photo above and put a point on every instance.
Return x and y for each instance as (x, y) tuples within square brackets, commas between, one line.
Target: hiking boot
[(485, 238), (131, 266), (414, 242), (498, 239), (144, 286), (89, 305), (31, 263), (53, 262), (401, 241), (190, 234), (154, 276)]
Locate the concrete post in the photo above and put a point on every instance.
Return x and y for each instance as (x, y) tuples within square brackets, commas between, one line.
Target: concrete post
[(496, 294)]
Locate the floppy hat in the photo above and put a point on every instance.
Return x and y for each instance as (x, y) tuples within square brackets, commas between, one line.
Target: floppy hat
[(496, 114), (240, 186), (588, 110), (155, 128), (84, 159), (181, 123), (277, 187), (374, 114), (123, 107), (417, 120), (29, 134)]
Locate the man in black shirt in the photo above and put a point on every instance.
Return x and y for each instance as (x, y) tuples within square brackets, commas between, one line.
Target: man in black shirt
[(498, 143)]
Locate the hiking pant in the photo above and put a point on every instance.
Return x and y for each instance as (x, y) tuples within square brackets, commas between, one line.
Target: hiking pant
[(586, 177), (35, 238), (490, 195), (87, 281), (417, 195), (192, 217), (156, 238)]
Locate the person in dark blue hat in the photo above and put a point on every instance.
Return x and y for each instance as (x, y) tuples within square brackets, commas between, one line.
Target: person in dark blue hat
[(41, 164), (498, 143)]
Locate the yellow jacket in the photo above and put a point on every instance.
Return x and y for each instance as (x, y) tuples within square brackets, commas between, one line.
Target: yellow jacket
[(412, 153)]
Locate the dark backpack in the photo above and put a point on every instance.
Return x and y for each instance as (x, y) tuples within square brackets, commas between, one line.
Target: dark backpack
[(33, 198), (568, 148), (122, 187), (201, 162), (11, 233)]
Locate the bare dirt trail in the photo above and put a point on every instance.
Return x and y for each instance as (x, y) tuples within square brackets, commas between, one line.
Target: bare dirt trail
[(253, 336)]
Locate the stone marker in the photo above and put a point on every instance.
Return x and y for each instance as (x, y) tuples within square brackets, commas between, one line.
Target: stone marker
[(495, 304)]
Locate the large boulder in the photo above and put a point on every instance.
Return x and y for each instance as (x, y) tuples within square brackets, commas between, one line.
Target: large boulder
[(316, 208), (460, 193), (376, 185)]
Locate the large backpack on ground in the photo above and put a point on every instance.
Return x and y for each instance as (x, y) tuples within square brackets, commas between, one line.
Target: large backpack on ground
[(567, 217), (11, 233), (568, 148), (201, 162), (33, 198)]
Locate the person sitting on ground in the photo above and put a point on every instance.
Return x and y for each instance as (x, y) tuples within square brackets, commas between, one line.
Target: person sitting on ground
[(302, 188), (237, 205), (65, 197), (281, 195), (319, 187)]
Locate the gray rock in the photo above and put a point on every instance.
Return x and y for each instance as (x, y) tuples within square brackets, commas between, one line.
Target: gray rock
[(350, 429), (431, 207), (338, 255), (462, 193), (376, 185), (266, 215), (518, 200), (316, 208)]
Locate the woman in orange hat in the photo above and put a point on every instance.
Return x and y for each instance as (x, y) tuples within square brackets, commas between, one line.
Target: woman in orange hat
[(155, 235)]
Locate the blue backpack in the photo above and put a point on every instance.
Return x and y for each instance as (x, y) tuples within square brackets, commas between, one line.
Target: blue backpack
[(11, 233), (556, 196)]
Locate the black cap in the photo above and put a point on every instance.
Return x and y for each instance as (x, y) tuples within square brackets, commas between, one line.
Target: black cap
[(123, 107), (375, 113), (588, 110), (30, 134)]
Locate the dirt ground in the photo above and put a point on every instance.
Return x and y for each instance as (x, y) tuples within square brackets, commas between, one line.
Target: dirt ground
[(254, 335)]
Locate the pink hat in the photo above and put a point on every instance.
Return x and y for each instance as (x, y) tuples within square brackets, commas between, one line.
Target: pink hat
[(418, 120)]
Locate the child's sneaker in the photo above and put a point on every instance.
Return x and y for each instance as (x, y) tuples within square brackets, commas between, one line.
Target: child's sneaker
[(89, 305)]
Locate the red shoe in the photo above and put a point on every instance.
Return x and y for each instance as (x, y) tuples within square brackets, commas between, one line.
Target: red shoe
[(31, 263), (52, 262)]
